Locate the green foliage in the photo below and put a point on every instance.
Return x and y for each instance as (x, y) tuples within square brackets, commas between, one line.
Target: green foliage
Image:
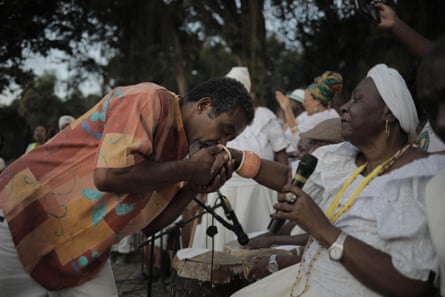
[(178, 43), (38, 104)]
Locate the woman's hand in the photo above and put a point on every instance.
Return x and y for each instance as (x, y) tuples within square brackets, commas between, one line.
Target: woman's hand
[(282, 100), (306, 213), (259, 270)]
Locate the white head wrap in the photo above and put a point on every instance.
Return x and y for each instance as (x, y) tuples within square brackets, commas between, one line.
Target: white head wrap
[(65, 120), (394, 92), (241, 74)]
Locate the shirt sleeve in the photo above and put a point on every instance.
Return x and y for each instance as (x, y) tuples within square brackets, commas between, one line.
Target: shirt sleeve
[(130, 122), (276, 135), (401, 223)]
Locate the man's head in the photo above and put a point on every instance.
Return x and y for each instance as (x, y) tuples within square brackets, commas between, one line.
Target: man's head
[(216, 111), (431, 86)]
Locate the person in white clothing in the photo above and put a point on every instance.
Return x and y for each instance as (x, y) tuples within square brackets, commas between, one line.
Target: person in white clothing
[(266, 138), (318, 99), (430, 93), (363, 208)]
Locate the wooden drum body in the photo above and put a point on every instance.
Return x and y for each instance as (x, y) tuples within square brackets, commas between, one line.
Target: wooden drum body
[(249, 256), (194, 277)]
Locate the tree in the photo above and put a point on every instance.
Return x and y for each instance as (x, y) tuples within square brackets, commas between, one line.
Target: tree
[(38, 104)]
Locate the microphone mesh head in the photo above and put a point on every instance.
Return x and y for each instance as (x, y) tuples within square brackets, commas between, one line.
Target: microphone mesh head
[(307, 165)]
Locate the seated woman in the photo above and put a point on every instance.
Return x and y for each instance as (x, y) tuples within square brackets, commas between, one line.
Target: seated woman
[(363, 207)]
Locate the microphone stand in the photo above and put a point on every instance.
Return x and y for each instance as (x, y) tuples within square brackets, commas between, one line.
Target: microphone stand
[(177, 226), (215, 215)]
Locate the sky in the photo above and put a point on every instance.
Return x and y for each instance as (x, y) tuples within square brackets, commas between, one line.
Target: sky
[(52, 63)]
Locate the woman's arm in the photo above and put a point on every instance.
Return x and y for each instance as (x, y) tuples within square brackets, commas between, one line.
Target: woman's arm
[(289, 116), (415, 42), (271, 174), (374, 269), (271, 240), (370, 266)]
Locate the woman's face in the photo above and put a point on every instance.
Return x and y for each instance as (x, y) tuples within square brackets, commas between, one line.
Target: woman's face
[(310, 104), (40, 134), (363, 116)]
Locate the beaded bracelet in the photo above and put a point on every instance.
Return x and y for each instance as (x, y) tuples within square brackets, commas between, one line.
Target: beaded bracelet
[(250, 165)]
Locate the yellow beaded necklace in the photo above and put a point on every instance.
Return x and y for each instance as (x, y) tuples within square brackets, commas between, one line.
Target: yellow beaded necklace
[(332, 215)]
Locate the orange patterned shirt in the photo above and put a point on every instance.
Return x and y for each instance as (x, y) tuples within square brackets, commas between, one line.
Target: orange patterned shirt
[(62, 226)]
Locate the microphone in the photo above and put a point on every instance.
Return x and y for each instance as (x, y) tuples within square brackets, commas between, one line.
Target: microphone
[(242, 237), (304, 170)]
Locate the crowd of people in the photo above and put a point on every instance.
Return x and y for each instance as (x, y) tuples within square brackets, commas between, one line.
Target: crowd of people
[(367, 222)]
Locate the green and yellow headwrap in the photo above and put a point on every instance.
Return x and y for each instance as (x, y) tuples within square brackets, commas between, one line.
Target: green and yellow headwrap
[(326, 86)]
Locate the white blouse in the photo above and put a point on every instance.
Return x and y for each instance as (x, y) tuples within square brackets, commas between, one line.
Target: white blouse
[(264, 137), (389, 214)]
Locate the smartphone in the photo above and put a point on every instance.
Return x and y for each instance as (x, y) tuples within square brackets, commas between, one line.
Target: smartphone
[(368, 9)]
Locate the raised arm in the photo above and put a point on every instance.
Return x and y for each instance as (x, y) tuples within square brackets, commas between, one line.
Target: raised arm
[(289, 116), (414, 41)]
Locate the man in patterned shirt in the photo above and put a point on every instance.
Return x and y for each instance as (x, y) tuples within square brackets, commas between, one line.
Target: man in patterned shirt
[(114, 171)]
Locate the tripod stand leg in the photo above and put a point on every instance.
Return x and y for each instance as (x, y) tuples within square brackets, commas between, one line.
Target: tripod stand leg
[(150, 268)]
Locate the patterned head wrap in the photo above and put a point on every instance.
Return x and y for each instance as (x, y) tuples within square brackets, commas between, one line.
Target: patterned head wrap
[(394, 92), (326, 86)]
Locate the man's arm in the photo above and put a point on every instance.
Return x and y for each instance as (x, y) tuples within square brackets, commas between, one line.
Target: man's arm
[(149, 175), (173, 210)]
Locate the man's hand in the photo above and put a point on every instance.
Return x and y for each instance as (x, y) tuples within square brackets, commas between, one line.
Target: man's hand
[(214, 169)]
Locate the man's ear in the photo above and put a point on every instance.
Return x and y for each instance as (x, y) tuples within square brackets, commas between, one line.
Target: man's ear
[(204, 104)]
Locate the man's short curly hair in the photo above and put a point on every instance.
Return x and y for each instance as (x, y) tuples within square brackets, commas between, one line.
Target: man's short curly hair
[(226, 94)]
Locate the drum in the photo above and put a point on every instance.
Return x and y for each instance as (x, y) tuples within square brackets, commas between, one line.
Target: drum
[(194, 275), (249, 256)]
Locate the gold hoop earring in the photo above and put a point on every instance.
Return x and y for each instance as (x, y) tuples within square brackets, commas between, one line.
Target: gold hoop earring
[(387, 129)]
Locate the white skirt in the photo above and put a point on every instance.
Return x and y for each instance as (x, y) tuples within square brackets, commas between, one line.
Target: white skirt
[(278, 284)]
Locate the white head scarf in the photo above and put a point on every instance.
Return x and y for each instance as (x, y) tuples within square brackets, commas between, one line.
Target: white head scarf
[(394, 92), (241, 74), (65, 120)]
